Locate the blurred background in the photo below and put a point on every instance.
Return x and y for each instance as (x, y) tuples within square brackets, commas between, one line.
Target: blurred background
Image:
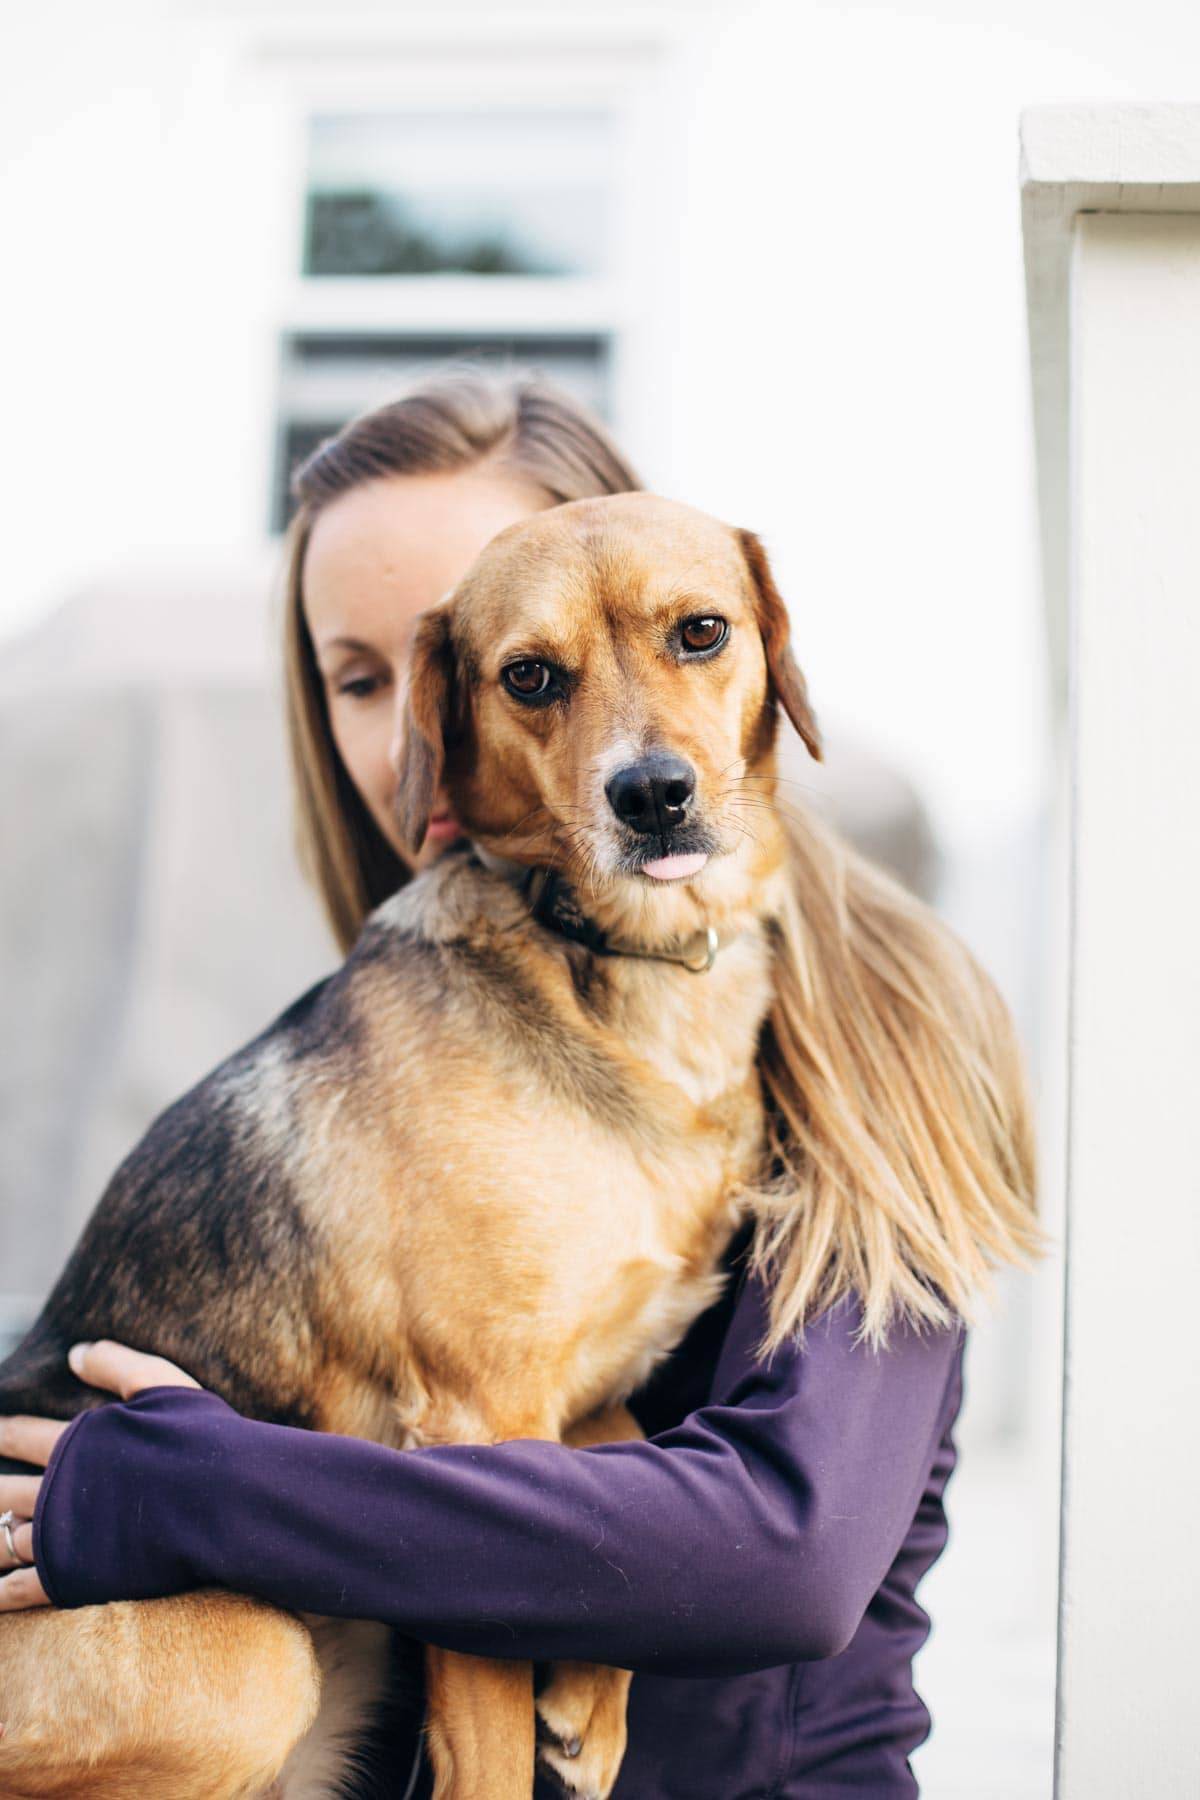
[(777, 246)]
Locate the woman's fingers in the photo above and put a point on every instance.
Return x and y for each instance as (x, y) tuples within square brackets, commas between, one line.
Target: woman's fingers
[(21, 1589), (18, 1494), (120, 1370), (113, 1367), (20, 1584), (28, 1440), (22, 1537)]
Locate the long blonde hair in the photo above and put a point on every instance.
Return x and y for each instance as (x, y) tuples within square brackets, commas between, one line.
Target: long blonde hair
[(900, 1162)]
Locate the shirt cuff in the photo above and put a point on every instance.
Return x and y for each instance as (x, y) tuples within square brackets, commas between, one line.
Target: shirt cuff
[(85, 1552)]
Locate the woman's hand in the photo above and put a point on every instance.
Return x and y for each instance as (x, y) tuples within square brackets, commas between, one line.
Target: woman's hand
[(113, 1367)]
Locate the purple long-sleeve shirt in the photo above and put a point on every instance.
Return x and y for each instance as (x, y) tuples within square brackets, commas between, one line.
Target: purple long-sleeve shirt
[(754, 1562)]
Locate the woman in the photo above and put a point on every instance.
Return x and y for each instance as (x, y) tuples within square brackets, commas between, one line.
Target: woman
[(756, 1560)]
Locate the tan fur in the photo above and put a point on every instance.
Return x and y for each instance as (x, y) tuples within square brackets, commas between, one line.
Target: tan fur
[(199, 1698), (353, 1664)]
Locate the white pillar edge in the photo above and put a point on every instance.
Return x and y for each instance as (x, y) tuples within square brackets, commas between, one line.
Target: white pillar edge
[(1114, 330), (1077, 159)]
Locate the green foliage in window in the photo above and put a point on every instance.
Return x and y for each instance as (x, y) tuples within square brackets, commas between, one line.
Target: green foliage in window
[(367, 233)]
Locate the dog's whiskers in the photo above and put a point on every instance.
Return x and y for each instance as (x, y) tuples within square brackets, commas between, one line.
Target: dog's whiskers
[(779, 807), (767, 803), (806, 787), (744, 831)]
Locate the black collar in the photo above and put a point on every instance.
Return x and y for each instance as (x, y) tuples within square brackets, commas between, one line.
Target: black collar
[(553, 903)]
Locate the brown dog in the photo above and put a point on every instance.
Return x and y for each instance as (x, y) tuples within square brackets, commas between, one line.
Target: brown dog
[(328, 1236)]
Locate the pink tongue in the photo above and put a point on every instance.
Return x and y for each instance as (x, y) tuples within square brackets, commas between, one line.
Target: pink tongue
[(674, 868)]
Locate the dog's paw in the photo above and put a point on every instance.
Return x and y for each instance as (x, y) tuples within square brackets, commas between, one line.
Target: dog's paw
[(581, 1727)]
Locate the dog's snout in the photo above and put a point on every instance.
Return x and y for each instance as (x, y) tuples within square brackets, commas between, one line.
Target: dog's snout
[(653, 796)]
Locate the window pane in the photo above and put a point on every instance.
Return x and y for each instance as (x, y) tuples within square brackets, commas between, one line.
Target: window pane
[(480, 193)]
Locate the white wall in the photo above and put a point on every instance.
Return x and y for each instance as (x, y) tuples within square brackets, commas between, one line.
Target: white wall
[(139, 228), (838, 349)]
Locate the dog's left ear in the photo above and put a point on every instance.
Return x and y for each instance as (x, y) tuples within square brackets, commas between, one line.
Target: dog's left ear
[(786, 679), (420, 751)]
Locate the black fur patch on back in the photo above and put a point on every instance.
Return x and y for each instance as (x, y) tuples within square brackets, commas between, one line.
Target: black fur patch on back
[(198, 1249)]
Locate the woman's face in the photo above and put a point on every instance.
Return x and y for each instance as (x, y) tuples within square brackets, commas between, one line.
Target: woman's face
[(376, 558)]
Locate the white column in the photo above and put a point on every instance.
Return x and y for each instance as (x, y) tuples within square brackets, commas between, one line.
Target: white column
[(1129, 1678)]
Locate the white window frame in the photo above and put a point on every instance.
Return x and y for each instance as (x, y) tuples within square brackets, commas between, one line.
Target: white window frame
[(556, 63)]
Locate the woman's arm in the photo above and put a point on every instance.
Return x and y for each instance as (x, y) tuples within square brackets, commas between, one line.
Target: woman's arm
[(754, 1533)]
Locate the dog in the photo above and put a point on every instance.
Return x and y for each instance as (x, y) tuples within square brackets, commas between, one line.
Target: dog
[(330, 1229)]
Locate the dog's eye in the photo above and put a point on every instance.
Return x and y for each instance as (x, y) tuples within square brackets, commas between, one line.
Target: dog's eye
[(527, 679), (707, 632)]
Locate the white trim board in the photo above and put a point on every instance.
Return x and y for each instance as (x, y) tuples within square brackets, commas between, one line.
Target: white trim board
[(1082, 159), (1111, 200), (1130, 1582)]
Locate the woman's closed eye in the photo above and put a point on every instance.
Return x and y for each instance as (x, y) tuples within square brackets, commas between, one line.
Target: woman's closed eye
[(357, 678), (360, 687)]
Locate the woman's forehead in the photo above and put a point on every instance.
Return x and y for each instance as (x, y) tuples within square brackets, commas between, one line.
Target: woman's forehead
[(384, 552)]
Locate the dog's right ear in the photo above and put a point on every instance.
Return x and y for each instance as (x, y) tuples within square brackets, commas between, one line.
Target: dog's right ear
[(419, 753), (787, 683)]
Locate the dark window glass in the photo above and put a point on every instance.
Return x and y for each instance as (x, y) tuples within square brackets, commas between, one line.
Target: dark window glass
[(327, 378)]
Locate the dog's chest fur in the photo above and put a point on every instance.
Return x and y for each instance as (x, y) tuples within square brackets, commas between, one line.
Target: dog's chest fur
[(470, 1188), (561, 1141), (562, 1157)]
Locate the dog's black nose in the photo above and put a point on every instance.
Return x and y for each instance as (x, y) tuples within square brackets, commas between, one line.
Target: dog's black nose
[(653, 795)]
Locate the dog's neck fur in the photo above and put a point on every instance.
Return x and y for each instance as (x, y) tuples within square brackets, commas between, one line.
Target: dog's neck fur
[(651, 922), (554, 903), (698, 1031)]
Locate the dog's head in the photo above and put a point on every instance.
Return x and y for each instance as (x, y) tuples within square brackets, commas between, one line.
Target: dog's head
[(600, 695)]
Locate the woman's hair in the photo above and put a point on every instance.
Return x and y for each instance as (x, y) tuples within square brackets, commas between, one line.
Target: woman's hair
[(900, 1124), (901, 1162)]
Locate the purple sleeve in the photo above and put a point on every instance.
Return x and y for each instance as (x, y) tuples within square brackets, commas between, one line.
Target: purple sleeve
[(754, 1533)]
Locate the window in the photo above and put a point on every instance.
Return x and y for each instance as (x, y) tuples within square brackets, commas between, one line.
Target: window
[(435, 234), (488, 193)]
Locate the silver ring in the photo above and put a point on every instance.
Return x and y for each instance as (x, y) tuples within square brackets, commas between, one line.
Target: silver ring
[(7, 1521)]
